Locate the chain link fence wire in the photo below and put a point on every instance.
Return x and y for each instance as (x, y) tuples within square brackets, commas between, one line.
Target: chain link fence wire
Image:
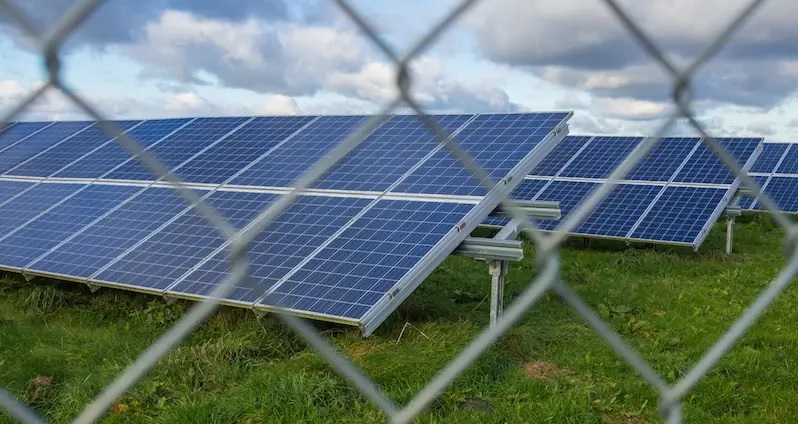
[(547, 245)]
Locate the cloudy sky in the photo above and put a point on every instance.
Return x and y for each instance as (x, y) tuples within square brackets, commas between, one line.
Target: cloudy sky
[(166, 58)]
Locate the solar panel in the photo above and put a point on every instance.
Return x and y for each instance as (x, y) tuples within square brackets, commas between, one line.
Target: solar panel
[(10, 189), (35, 143), (664, 160), (17, 132), (616, 215), (601, 157), (112, 155), (184, 144), (789, 164), (770, 157), (680, 214), (371, 250), (60, 155), (561, 155), (705, 167)]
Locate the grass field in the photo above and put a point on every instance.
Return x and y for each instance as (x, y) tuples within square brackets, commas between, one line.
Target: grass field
[(60, 345)]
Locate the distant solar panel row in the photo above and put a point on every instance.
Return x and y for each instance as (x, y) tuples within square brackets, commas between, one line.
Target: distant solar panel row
[(673, 195), (335, 254), (776, 171)]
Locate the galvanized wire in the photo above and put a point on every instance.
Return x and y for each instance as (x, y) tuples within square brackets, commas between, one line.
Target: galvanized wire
[(548, 279)]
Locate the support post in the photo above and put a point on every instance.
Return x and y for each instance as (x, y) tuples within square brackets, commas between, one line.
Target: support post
[(498, 273), (729, 234)]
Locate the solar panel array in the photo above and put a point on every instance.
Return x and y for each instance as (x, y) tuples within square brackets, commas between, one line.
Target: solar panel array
[(776, 171), (77, 206), (673, 195)]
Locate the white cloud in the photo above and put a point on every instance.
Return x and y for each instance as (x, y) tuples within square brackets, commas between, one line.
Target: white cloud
[(279, 105)]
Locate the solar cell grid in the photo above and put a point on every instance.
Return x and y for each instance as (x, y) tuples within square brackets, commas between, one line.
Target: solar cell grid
[(561, 154), (770, 157), (496, 142), (747, 201), (387, 154), (680, 214), (58, 156), (97, 245), (617, 214), (241, 148), (9, 189), (705, 167), (36, 238), (601, 157), (295, 234), (180, 146), (31, 203), (783, 191), (14, 133), (664, 160), (17, 153), (284, 167), (569, 194), (111, 155), (360, 266)]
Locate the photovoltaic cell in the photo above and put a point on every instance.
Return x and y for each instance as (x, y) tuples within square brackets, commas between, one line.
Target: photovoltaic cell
[(111, 155), (180, 146), (783, 191), (109, 237), (391, 151), (680, 214), (50, 161), (364, 263), (31, 241), (770, 156), (295, 234), (705, 167), (32, 202), (662, 162), (601, 157), (13, 133), (790, 163), (528, 189), (9, 189), (496, 142), (294, 158), (617, 214), (34, 144), (176, 248), (561, 154), (569, 194), (241, 148), (747, 201)]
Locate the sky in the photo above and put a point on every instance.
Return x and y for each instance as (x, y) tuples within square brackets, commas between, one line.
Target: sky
[(174, 58)]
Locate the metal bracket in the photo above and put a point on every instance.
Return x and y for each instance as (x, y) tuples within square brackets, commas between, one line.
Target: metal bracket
[(491, 249), (93, 287), (259, 314), (498, 274), (534, 209), (169, 300), (28, 277)]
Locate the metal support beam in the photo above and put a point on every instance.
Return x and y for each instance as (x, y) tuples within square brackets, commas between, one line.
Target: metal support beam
[(534, 209), (732, 212), (498, 274), (491, 249)]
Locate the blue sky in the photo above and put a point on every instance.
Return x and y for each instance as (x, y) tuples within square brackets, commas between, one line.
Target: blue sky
[(165, 58)]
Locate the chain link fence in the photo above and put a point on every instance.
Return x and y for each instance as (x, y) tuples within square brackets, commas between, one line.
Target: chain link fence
[(547, 245)]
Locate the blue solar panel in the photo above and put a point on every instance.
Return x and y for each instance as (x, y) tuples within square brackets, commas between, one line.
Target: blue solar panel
[(601, 157), (747, 201), (111, 155), (528, 189), (664, 160), (14, 133), (783, 191), (365, 262), (57, 157), (176, 248), (705, 167), (180, 146), (295, 234), (789, 165), (496, 142), (561, 154), (109, 237), (9, 189), (31, 241), (241, 148), (770, 157), (16, 154), (391, 151), (680, 214), (569, 194), (31, 203), (616, 215), (294, 158)]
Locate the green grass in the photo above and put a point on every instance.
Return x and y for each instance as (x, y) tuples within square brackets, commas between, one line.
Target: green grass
[(60, 345)]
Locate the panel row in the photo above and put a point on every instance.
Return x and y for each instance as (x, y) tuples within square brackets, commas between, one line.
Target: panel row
[(335, 256), (276, 151), (681, 159)]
